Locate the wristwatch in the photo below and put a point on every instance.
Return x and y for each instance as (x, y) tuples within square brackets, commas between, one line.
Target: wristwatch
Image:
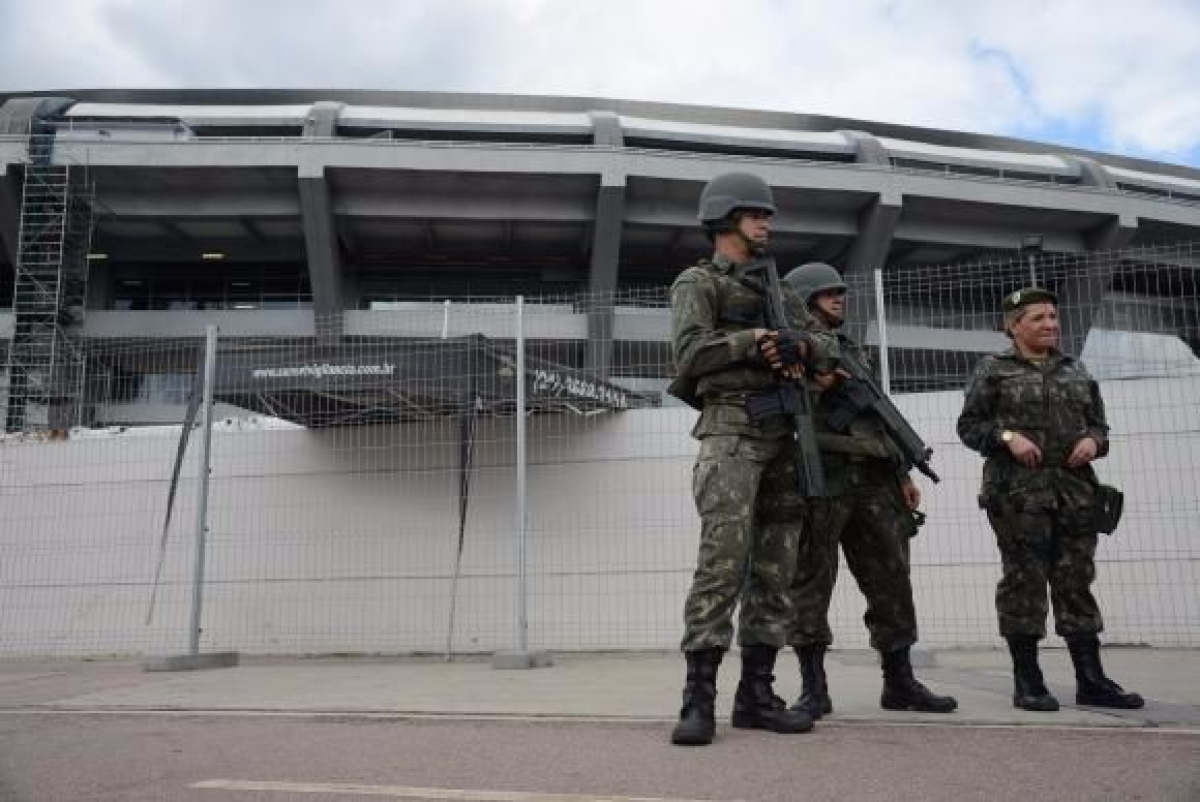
[(1006, 436)]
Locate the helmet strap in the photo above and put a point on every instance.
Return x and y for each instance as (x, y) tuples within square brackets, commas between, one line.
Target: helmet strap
[(732, 224), (828, 319)]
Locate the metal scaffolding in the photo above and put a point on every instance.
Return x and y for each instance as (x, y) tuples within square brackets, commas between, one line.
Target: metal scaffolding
[(45, 369)]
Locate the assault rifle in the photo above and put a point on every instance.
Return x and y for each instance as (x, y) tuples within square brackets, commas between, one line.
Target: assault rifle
[(858, 394), (791, 396)]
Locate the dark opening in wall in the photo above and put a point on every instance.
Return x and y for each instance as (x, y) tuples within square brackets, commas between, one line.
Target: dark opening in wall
[(203, 286), (984, 172), (501, 137), (737, 150), (1155, 192)]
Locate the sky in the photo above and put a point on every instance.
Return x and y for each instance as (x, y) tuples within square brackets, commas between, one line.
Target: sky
[(1119, 77)]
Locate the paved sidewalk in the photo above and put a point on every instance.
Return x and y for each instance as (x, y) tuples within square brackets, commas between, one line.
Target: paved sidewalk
[(626, 686)]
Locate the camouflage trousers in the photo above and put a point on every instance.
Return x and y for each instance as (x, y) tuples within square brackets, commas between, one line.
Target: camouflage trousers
[(746, 494), (873, 525), (1040, 548)]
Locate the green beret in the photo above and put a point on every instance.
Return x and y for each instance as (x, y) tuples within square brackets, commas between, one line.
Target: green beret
[(1026, 296)]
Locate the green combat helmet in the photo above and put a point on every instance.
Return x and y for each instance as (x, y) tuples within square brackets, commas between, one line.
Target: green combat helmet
[(731, 191), (814, 278)]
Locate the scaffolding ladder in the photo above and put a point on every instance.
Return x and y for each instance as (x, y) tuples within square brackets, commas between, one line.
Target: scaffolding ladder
[(45, 359)]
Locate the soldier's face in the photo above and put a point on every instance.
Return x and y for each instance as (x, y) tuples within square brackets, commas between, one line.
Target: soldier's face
[(832, 305), (1037, 330), (755, 226)]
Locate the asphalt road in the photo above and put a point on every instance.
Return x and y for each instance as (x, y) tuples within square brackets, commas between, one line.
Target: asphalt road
[(49, 755)]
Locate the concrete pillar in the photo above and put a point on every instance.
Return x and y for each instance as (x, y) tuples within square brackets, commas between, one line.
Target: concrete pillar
[(1091, 172), (100, 285), (324, 257), (876, 228), (322, 119), (603, 273), (606, 129), (867, 149), (10, 210), (1081, 295), (606, 249)]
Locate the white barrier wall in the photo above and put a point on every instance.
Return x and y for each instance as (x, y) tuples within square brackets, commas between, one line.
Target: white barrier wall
[(344, 540)]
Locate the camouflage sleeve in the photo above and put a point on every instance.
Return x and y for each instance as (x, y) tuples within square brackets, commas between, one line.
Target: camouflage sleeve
[(977, 427), (827, 350), (697, 348), (1097, 421), (798, 317)]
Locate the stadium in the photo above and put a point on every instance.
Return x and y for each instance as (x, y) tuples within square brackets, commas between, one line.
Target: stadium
[(361, 253), (267, 212)]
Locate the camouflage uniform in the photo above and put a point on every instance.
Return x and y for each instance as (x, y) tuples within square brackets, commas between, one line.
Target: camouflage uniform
[(866, 512), (1042, 515), (744, 481)]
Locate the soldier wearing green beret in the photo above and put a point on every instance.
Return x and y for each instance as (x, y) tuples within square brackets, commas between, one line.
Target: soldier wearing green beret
[(1037, 417)]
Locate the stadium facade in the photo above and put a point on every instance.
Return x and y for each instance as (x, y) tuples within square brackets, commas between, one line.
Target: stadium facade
[(327, 217)]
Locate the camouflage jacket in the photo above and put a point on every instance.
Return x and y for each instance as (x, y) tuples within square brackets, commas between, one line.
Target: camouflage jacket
[(867, 440), (1054, 404), (714, 312)]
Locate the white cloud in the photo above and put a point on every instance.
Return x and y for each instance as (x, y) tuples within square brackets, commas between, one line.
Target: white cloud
[(1114, 74), (1131, 67)]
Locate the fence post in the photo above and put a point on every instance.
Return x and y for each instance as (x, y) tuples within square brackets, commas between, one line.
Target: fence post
[(521, 657), (522, 612), (203, 469), (194, 659), (885, 373)]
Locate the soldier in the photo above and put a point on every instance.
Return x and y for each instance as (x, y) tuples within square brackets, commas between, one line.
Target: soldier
[(1037, 416), (871, 510), (745, 479)]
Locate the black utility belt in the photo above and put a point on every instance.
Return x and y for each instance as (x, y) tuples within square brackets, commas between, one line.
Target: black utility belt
[(866, 460), (1108, 504), (770, 404)]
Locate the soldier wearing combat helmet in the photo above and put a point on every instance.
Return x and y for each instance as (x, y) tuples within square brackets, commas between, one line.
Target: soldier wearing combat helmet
[(1037, 417), (871, 510), (745, 480)]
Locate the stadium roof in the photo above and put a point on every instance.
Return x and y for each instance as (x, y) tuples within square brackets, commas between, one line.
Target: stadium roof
[(500, 112), (516, 177)]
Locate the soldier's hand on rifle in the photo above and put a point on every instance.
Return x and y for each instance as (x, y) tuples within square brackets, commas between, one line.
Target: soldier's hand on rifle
[(795, 347), (1024, 450), (912, 493), (824, 381), (786, 351), (768, 348), (1083, 452), (794, 372)]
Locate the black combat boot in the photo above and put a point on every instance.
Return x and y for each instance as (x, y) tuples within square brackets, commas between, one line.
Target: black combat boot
[(814, 691), (756, 707), (1092, 687), (901, 691), (697, 721), (1029, 689)]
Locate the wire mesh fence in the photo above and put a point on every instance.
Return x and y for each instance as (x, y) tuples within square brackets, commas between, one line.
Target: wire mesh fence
[(366, 486)]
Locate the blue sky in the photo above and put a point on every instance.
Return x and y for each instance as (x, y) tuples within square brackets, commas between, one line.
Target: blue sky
[(1104, 75)]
